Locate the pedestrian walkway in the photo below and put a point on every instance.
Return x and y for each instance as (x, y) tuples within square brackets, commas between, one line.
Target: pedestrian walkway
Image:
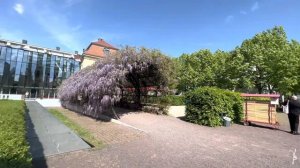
[(48, 136)]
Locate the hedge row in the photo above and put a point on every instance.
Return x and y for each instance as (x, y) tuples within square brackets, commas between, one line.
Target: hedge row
[(169, 100), (14, 149), (207, 105)]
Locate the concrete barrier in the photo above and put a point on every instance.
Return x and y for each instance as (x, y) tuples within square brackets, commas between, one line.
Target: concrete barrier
[(176, 111)]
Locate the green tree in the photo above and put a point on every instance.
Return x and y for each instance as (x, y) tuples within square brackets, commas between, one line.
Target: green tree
[(197, 69), (262, 54)]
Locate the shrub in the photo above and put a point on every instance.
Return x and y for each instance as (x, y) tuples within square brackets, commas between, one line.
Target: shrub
[(237, 105), (14, 149), (207, 105), (169, 100)]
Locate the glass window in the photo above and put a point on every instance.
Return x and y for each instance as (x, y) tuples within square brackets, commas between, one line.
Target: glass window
[(34, 57), (20, 55), (33, 68), (1, 67), (28, 75), (68, 69), (29, 60), (52, 60), (23, 68), (48, 60), (8, 54), (61, 67), (16, 78), (25, 56), (12, 71), (6, 73), (3, 53), (14, 54), (51, 74), (77, 66), (1, 76), (43, 70)]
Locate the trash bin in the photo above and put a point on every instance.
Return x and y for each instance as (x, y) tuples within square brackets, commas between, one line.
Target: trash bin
[(227, 121)]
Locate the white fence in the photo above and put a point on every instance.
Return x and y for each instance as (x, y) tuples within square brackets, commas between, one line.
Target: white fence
[(11, 97)]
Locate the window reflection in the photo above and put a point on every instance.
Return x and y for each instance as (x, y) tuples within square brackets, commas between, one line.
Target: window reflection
[(38, 73)]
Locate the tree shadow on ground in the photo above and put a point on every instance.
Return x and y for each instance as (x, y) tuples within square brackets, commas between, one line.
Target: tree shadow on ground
[(118, 112), (36, 148)]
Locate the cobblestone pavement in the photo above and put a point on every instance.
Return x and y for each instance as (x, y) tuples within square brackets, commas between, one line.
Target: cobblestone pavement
[(108, 132), (171, 142)]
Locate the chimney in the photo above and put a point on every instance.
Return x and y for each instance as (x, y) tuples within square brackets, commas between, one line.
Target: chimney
[(57, 48), (76, 52), (100, 39), (24, 41)]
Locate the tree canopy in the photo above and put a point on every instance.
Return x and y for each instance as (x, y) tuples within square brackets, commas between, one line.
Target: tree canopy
[(267, 62)]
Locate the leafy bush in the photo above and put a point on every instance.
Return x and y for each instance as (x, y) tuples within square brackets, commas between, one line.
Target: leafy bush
[(207, 106), (169, 100), (172, 100), (14, 149), (237, 105)]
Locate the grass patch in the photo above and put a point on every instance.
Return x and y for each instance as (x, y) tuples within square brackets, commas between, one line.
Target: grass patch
[(82, 132), (14, 149)]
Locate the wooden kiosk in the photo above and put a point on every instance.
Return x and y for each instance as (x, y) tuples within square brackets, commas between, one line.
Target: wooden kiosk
[(260, 111)]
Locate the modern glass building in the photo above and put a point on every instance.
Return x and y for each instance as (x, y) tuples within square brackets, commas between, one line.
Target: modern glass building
[(35, 70)]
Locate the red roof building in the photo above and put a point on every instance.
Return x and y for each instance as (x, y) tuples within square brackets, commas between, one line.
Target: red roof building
[(97, 50)]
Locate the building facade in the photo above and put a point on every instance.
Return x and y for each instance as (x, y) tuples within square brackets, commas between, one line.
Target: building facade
[(97, 50), (33, 70)]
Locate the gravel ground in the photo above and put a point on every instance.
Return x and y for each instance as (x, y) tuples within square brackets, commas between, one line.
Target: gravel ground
[(171, 142)]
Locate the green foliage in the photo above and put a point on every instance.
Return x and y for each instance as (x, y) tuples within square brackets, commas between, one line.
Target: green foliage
[(267, 62), (172, 100), (14, 149), (237, 105), (197, 69), (169, 100), (221, 69), (273, 61), (207, 105), (82, 132)]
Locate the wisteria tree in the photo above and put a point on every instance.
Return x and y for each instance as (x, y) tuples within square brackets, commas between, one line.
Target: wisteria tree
[(97, 88)]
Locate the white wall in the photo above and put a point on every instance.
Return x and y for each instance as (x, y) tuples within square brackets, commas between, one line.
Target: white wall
[(176, 111), (11, 97), (49, 102)]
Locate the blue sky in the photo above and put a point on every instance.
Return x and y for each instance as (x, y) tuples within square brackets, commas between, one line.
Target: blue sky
[(174, 27)]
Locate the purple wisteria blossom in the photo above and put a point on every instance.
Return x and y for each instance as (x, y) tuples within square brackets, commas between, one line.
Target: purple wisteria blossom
[(97, 88)]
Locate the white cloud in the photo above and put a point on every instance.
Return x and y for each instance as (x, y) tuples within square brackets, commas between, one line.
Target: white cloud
[(61, 27), (255, 7), (229, 18), (57, 24), (19, 8), (243, 12)]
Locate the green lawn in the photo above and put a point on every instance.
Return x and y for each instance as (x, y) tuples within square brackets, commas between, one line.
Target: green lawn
[(14, 149), (82, 132)]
